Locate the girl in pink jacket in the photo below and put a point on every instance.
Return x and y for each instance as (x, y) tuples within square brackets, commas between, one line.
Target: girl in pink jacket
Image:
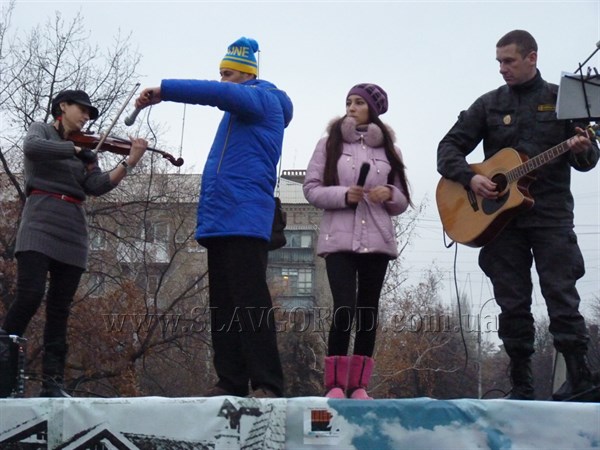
[(356, 175)]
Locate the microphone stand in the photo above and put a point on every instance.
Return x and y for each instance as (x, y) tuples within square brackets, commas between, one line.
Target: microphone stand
[(589, 57)]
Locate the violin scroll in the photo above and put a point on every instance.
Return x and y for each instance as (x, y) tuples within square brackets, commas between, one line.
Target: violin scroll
[(176, 162)]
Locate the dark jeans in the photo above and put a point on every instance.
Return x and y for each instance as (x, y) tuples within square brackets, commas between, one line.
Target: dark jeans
[(507, 261), (33, 269), (242, 321), (347, 271)]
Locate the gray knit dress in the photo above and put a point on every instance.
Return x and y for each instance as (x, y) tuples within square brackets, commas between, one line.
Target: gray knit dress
[(49, 225)]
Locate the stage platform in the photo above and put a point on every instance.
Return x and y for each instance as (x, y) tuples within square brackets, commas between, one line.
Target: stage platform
[(295, 423)]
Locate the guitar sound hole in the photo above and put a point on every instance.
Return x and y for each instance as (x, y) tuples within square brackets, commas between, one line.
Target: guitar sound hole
[(501, 182), (490, 206)]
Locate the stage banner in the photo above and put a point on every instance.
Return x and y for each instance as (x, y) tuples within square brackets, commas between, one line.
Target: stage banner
[(159, 423)]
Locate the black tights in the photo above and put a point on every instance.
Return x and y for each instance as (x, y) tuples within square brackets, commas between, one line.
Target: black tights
[(33, 269), (346, 272)]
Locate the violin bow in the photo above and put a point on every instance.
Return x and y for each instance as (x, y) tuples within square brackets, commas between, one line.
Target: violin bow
[(114, 122)]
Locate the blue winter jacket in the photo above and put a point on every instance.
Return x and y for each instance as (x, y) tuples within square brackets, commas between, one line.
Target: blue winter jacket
[(236, 192)]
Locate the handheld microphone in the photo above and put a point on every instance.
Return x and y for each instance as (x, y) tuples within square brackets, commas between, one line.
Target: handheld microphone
[(362, 176), (130, 119)]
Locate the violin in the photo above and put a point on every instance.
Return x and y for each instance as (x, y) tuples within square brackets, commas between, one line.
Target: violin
[(87, 139)]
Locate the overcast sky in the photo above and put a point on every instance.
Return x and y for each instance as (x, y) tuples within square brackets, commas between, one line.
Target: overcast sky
[(433, 58)]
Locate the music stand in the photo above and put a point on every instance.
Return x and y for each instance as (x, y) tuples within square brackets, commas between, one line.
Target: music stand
[(578, 98), (579, 95)]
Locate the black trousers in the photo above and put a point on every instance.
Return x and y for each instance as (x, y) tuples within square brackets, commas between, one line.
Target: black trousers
[(242, 317), (507, 261), (33, 269), (355, 280)]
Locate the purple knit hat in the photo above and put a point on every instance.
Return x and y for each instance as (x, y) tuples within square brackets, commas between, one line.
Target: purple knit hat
[(375, 97)]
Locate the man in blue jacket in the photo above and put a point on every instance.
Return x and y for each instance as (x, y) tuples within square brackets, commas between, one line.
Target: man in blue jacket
[(235, 215)]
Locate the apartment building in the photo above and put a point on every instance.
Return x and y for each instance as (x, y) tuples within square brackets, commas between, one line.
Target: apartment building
[(152, 240)]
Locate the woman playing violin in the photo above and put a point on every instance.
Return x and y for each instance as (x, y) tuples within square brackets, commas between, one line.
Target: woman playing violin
[(52, 237)]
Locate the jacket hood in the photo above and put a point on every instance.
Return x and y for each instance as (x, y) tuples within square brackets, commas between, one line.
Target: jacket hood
[(286, 106), (286, 103)]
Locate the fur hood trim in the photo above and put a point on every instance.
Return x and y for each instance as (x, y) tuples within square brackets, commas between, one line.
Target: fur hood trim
[(372, 135)]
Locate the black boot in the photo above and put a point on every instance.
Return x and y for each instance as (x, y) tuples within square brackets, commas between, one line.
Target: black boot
[(53, 387), (581, 384), (521, 378), (53, 369), (8, 367)]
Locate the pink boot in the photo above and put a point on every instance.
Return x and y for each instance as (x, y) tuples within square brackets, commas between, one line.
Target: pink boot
[(361, 369), (336, 376)]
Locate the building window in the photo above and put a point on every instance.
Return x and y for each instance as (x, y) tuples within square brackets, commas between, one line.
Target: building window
[(97, 239), (147, 282), (299, 238), (182, 235), (152, 284), (156, 238), (157, 233), (97, 284), (297, 281)]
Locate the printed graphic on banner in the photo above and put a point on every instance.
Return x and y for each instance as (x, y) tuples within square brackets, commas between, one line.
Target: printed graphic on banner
[(203, 423), (321, 426)]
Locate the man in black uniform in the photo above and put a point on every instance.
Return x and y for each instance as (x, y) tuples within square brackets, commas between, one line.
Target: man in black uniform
[(521, 114)]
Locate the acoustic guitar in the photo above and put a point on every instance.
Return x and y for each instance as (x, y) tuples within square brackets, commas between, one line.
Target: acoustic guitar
[(474, 221)]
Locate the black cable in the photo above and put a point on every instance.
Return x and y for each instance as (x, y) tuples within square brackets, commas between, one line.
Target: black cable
[(460, 325), (504, 394), (462, 333)]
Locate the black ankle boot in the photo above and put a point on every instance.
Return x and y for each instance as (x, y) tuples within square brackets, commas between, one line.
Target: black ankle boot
[(521, 378), (53, 369), (53, 387), (581, 384), (8, 372)]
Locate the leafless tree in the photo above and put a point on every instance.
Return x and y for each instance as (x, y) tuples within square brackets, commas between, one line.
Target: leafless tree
[(140, 275)]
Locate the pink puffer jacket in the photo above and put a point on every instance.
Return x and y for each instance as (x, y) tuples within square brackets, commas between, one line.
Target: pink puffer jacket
[(368, 228)]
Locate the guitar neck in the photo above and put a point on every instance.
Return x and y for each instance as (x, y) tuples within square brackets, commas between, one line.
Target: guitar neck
[(543, 158), (537, 161)]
